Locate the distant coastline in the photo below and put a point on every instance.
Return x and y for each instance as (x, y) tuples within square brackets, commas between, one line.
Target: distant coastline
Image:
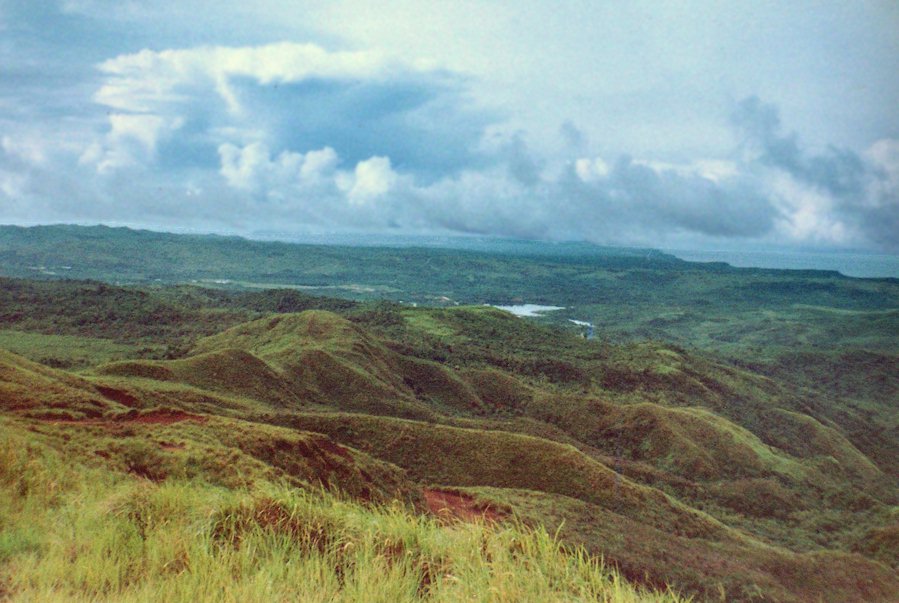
[(856, 264)]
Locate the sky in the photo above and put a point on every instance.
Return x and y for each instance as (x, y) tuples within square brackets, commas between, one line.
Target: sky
[(694, 124)]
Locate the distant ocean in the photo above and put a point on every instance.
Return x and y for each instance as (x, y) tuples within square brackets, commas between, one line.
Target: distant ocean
[(866, 265)]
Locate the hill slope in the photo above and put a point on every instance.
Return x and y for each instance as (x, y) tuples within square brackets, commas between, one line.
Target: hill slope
[(77, 529), (650, 453)]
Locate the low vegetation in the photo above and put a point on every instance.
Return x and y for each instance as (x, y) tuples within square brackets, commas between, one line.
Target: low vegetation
[(748, 451), (78, 533)]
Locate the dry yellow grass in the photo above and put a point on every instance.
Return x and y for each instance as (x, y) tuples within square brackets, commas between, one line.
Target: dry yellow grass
[(69, 532)]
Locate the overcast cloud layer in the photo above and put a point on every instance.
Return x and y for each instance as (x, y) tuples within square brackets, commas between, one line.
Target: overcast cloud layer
[(695, 125)]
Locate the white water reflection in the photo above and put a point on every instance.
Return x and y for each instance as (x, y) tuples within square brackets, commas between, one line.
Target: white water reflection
[(530, 310)]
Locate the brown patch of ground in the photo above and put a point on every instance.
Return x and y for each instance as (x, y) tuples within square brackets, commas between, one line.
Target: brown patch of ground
[(334, 448), (117, 395), (171, 446), (154, 417), (455, 505)]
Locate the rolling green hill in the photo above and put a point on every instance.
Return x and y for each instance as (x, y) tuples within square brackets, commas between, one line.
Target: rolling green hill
[(649, 465), (712, 458)]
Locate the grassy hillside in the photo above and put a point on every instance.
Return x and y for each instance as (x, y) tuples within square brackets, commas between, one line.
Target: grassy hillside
[(76, 531), (730, 572), (471, 457), (709, 464), (658, 472)]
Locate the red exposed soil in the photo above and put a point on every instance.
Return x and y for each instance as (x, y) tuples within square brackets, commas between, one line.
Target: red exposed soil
[(458, 506), (117, 395), (334, 448), (159, 417)]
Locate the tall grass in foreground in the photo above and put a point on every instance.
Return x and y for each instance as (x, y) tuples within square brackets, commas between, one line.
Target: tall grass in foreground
[(73, 533)]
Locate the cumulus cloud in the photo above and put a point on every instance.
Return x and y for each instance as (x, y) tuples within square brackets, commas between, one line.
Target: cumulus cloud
[(591, 169), (628, 202), (837, 195), (343, 125), (144, 80), (12, 184), (298, 97), (29, 149), (252, 169), (838, 171), (287, 136), (371, 179), (132, 140)]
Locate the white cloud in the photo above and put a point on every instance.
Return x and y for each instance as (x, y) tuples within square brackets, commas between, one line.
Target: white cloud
[(131, 141), (31, 150), (372, 178), (884, 156), (715, 170), (252, 169), (362, 103), (240, 166), (631, 204), (590, 170), (144, 129), (39, 145), (318, 164), (807, 213), (370, 134), (147, 79), (12, 185)]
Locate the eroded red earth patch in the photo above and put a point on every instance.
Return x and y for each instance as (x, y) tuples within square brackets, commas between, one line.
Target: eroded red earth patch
[(456, 505), (160, 417)]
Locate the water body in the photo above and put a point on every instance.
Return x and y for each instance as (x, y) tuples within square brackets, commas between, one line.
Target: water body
[(865, 265), (589, 333), (530, 310)]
